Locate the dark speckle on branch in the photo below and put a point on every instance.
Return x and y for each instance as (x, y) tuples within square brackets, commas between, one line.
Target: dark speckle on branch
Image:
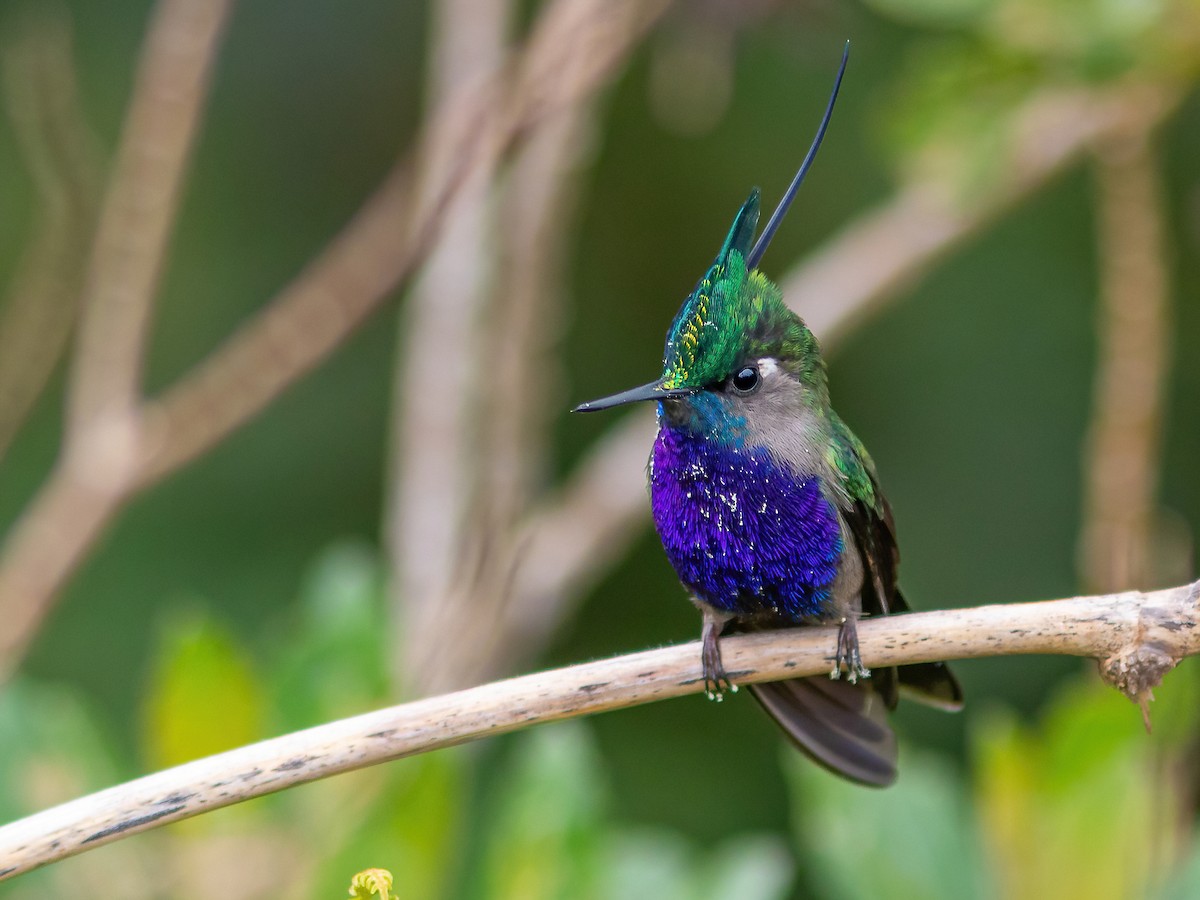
[(127, 824)]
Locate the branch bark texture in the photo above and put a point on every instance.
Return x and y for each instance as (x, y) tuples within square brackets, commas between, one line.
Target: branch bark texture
[(1137, 638)]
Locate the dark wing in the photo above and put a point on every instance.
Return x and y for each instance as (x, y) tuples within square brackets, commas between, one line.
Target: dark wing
[(875, 535), (876, 539), (870, 521)]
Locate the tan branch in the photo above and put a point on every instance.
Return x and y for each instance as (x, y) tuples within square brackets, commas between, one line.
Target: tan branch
[(537, 211), (1137, 637), (59, 150), (433, 468), (512, 395), (1125, 433), (566, 59), (54, 535), (140, 209), (582, 530), (485, 608)]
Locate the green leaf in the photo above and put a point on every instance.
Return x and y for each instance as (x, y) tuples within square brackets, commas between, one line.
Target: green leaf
[(948, 117), (1079, 807), (747, 867), (648, 864), (658, 864), (1094, 40), (1184, 882), (1079, 40), (50, 749), (915, 839), (203, 696), (334, 660), (544, 840)]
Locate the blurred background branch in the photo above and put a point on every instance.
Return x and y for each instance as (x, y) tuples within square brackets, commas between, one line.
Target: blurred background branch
[(929, 216), (476, 447), (60, 154), (442, 360), (1121, 511), (392, 234), (132, 240), (299, 328), (99, 458)]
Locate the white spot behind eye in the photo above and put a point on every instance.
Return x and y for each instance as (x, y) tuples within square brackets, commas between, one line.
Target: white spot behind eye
[(767, 366)]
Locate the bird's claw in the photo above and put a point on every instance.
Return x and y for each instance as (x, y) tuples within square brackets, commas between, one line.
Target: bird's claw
[(848, 657), (716, 681)]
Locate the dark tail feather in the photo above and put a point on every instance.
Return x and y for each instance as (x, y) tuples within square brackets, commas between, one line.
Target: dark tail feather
[(932, 684), (842, 726)]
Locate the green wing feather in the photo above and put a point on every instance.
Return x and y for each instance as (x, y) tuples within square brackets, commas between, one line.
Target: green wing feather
[(853, 463)]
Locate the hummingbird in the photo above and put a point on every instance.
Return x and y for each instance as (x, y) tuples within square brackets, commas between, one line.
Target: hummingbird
[(769, 507)]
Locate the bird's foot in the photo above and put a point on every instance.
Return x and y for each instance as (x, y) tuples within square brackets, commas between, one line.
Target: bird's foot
[(716, 681), (848, 656)]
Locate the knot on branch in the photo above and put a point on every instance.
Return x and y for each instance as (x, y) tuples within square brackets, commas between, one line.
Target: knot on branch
[(1165, 633), (1136, 670)]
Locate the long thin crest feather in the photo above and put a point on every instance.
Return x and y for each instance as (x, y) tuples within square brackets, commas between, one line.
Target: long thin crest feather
[(764, 239)]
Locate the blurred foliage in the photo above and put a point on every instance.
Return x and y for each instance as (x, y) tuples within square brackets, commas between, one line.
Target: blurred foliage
[(914, 840), (1094, 40), (202, 697), (1084, 805), (953, 105), (545, 832), (51, 748), (971, 391)]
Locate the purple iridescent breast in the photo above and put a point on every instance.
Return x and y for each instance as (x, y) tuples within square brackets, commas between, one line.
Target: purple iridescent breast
[(742, 531)]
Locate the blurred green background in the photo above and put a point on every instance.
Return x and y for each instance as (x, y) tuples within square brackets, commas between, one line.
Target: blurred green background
[(246, 595)]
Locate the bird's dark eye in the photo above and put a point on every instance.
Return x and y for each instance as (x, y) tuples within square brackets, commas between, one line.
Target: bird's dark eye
[(746, 380)]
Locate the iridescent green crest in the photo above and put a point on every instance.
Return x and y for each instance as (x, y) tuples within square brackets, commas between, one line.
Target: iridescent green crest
[(734, 316), (706, 340)]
